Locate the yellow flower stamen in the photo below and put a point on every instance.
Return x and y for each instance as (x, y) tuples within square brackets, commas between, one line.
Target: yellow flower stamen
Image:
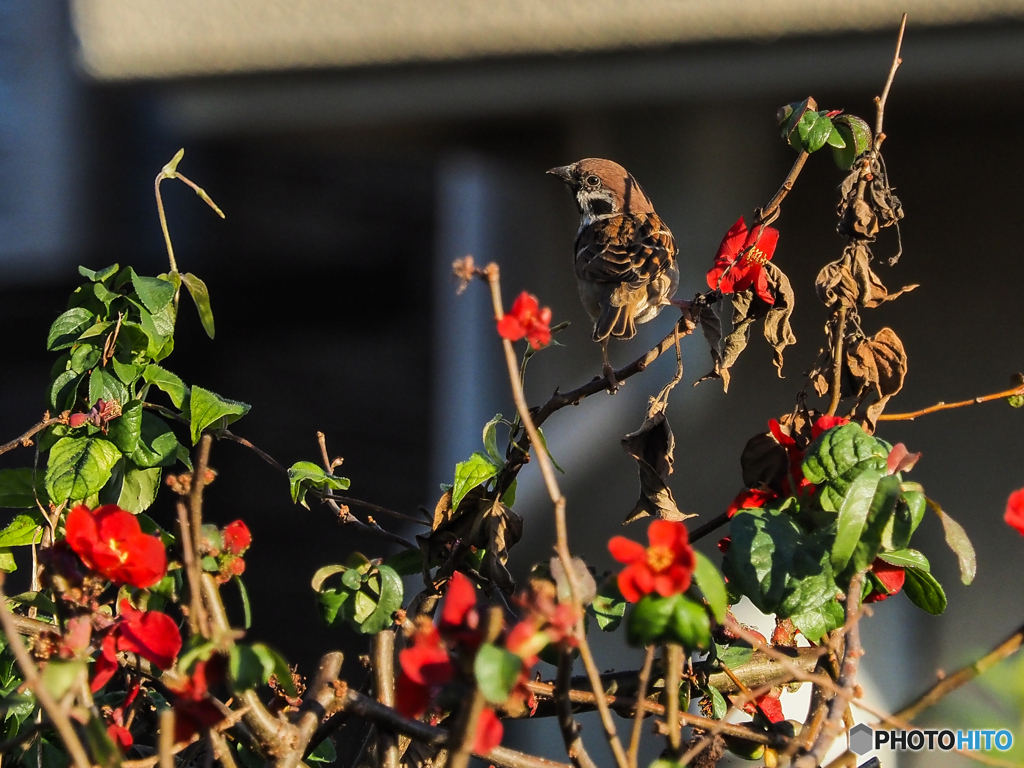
[(122, 556), (659, 558), (754, 255)]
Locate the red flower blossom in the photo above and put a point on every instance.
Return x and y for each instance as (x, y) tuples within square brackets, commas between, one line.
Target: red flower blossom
[(1014, 516), (750, 498), (768, 705), (825, 423), (152, 635), (526, 318), (460, 620), (892, 578), (237, 537), (665, 567), (424, 669), (110, 542), (193, 709), (739, 263), (489, 731), (796, 458), (121, 736)]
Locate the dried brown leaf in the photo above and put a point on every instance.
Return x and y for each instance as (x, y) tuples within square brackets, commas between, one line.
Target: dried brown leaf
[(867, 203), (851, 280), (652, 446), (880, 364), (764, 462), (777, 329)]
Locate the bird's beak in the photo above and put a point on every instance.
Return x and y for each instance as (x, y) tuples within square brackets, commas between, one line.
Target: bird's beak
[(564, 172)]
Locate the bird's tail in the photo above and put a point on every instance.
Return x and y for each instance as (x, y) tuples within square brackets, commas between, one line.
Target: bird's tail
[(615, 321)]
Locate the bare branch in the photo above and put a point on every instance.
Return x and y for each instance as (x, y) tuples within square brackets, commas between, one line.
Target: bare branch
[(26, 438), (1015, 392), (574, 748), (641, 708)]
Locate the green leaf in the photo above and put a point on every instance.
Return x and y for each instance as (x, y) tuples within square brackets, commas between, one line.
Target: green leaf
[(608, 606), (857, 138), (711, 585), (168, 382), (126, 372), (104, 385), (245, 668), (924, 591), (78, 467), (305, 475), (331, 603), (509, 499), (496, 671), (207, 408), (274, 664), (124, 431), (474, 471), (16, 491), (544, 444), (133, 489), (675, 619), (835, 139), (157, 445), (154, 293), (853, 516), (7, 562), (64, 390), (201, 296), (324, 753), (817, 622), (838, 457), (59, 675), (818, 129), (22, 530), (776, 564), (719, 706), (491, 439), (99, 275), (956, 538), (66, 327), (733, 656), (84, 357), (243, 593), (408, 562), (388, 601), (37, 600), (906, 558)]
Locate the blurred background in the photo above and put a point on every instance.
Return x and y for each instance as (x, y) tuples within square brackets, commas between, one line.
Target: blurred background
[(357, 148)]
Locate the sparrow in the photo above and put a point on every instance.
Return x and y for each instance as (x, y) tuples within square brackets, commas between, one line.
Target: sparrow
[(625, 255)]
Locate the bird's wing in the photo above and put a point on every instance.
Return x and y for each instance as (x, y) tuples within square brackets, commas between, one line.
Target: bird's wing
[(630, 249)]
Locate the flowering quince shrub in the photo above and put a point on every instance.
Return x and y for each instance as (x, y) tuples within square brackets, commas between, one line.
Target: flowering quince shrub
[(122, 649)]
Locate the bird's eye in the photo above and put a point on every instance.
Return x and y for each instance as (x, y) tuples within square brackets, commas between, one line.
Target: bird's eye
[(593, 181)]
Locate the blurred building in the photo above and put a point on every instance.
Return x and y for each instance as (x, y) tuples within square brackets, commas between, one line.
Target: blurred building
[(358, 148)]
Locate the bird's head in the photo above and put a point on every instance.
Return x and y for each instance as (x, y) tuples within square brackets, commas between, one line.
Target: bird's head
[(603, 188)]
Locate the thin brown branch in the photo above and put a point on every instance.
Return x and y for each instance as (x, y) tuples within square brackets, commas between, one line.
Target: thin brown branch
[(195, 496), (547, 470), (26, 439), (366, 708), (846, 682), (1015, 392), (769, 213), (167, 738), (627, 706), (382, 649), (710, 526), (196, 613), (227, 434), (962, 676), (880, 100), (837, 359), (641, 707), (54, 711), (377, 508), (574, 747), (674, 673), (320, 701), (464, 733)]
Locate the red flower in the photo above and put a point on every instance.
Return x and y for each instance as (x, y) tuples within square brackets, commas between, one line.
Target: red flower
[(488, 732), (825, 423), (768, 705), (237, 537), (526, 318), (1014, 516), (110, 542), (193, 709), (152, 635), (665, 567), (892, 578), (739, 263), (750, 498), (424, 669)]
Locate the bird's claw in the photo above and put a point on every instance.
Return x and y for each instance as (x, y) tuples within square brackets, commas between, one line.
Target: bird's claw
[(609, 375)]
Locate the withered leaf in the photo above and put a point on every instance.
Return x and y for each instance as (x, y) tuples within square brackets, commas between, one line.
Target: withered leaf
[(652, 446), (777, 329), (866, 202), (851, 280), (879, 364), (501, 529), (764, 462), (711, 326)]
